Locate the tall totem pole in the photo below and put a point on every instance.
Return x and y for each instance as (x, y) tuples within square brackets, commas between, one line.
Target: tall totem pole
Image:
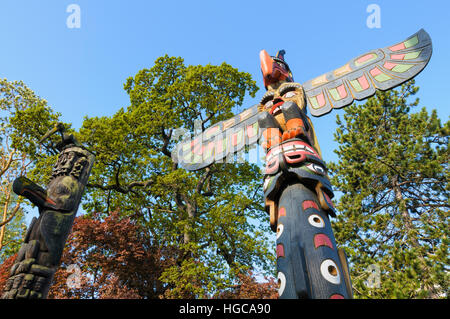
[(296, 186), (39, 257)]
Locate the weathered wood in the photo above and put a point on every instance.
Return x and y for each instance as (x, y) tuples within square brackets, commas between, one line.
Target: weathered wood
[(39, 257)]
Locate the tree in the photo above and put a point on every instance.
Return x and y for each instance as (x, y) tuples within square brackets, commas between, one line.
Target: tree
[(211, 223), (110, 258), (4, 271), (249, 287), (114, 258), (12, 224), (393, 175), (23, 114), (213, 219)]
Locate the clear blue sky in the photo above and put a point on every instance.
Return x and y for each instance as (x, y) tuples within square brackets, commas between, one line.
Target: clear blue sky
[(81, 71)]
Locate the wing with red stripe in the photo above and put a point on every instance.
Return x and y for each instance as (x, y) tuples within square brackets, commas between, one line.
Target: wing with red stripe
[(380, 69), (219, 141)]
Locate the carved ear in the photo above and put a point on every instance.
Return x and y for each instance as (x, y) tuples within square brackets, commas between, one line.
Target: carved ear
[(324, 200)]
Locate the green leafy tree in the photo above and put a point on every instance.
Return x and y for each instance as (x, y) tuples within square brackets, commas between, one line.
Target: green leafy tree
[(23, 118), (11, 235), (213, 217), (393, 175)]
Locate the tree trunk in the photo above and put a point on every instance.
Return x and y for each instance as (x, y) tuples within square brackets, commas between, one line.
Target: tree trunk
[(404, 211), (3, 229), (190, 219)]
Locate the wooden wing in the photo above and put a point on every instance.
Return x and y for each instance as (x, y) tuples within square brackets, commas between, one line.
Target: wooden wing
[(218, 142), (380, 69)]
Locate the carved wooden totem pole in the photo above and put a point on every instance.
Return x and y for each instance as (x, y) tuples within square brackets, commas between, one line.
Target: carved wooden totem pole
[(40, 254), (296, 186)]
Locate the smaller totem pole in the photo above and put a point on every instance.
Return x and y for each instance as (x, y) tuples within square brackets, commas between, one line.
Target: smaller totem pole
[(40, 255)]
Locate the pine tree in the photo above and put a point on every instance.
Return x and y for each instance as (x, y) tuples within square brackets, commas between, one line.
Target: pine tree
[(393, 175)]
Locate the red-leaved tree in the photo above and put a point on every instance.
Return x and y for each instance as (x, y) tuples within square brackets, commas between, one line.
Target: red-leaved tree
[(110, 258), (251, 288), (4, 271)]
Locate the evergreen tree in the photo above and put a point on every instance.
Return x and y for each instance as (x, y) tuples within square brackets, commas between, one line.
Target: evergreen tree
[(393, 176)]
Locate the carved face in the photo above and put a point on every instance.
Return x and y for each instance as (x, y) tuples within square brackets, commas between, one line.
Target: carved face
[(274, 98), (274, 69)]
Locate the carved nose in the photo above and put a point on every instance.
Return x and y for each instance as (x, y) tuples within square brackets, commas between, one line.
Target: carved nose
[(266, 63), (266, 67)]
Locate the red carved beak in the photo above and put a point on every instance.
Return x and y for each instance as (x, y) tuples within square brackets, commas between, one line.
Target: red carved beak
[(272, 72), (266, 65)]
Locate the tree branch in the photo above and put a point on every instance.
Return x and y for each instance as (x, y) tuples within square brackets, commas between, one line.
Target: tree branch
[(8, 163), (166, 139), (207, 175), (121, 189), (14, 212)]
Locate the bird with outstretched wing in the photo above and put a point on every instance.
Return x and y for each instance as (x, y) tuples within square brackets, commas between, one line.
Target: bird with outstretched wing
[(296, 186), (358, 79)]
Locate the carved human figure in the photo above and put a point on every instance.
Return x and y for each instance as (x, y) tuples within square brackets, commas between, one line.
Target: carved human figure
[(40, 254)]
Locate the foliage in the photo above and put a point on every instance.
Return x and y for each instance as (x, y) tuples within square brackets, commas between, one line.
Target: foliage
[(212, 220), (112, 259), (13, 236), (23, 114), (249, 287), (393, 175), (4, 271), (26, 118)]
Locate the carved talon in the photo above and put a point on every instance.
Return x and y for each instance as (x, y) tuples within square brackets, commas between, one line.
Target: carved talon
[(272, 137), (271, 130), (294, 128)]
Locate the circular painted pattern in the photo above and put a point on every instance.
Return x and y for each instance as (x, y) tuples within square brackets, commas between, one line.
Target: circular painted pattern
[(316, 221), (281, 283), (330, 271), (280, 229)]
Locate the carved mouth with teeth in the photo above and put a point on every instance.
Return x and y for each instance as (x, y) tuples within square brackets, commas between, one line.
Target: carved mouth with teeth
[(276, 108), (293, 152)]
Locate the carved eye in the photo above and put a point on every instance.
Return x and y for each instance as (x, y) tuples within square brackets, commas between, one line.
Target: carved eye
[(330, 271), (316, 221), (268, 104), (281, 283), (267, 100), (280, 229), (316, 168), (289, 94)]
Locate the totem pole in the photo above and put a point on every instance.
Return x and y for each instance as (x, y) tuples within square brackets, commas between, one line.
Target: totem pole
[(39, 257), (296, 186)]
